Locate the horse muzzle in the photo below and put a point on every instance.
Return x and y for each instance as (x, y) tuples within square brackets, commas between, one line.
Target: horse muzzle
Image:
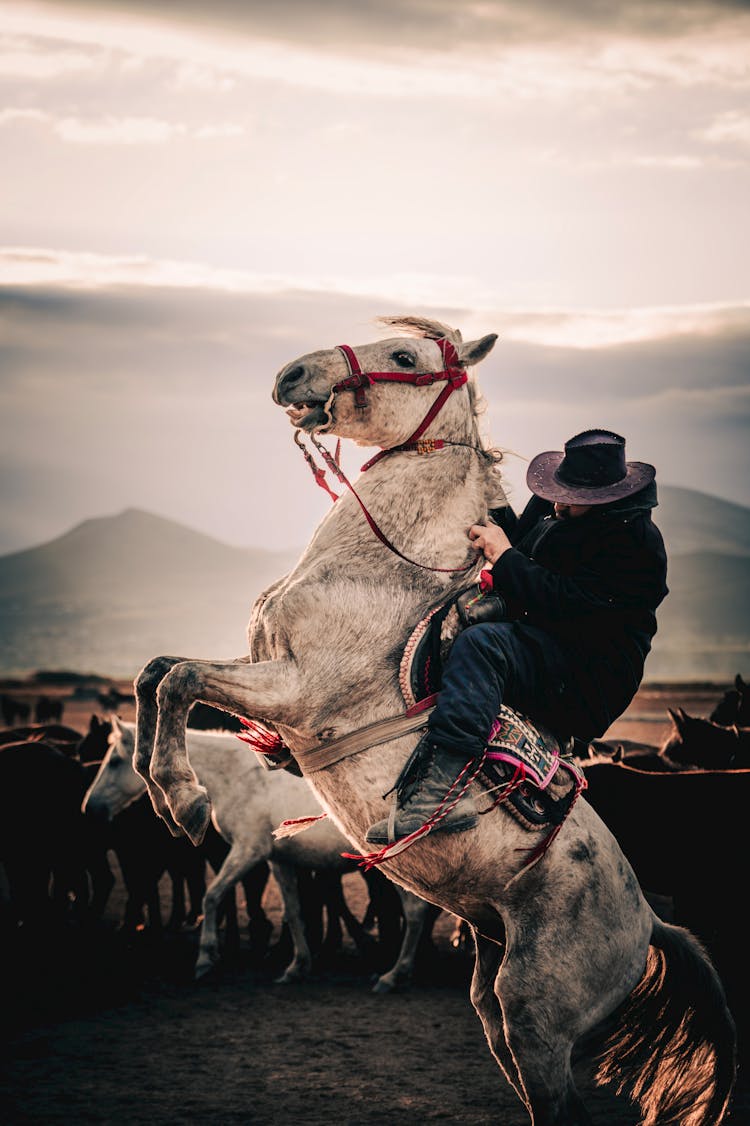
[(305, 406)]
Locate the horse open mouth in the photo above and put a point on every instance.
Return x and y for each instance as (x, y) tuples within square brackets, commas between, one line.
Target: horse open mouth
[(307, 415)]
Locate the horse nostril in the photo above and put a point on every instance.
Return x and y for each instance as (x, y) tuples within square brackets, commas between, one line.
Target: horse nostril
[(294, 375)]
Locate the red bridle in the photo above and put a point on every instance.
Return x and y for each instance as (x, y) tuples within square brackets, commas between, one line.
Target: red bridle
[(358, 381)]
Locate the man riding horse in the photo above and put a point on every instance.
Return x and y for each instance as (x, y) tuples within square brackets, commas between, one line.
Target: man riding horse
[(559, 628)]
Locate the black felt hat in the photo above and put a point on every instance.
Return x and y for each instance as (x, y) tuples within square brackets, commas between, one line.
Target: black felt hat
[(591, 470)]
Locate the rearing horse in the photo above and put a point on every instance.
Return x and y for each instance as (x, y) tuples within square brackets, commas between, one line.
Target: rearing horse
[(571, 941)]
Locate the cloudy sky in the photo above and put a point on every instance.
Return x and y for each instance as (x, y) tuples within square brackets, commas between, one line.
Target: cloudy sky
[(192, 195)]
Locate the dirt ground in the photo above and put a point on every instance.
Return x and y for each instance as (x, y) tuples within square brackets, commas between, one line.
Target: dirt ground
[(98, 1028)]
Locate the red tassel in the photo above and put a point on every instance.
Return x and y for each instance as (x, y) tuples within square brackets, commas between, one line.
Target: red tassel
[(260, 738), (296, 825)]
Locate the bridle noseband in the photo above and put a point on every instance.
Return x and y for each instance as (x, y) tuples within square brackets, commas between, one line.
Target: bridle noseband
[(358, 381)]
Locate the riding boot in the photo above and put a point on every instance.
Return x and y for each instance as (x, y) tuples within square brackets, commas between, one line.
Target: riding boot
[(425, 786)]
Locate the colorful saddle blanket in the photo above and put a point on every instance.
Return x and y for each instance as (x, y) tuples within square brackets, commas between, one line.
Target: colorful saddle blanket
[(527, 767)]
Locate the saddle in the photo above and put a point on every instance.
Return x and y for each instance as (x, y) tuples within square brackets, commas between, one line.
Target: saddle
[(527, 768)]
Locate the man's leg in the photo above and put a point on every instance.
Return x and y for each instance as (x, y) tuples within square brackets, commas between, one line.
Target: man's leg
[(489, 664)]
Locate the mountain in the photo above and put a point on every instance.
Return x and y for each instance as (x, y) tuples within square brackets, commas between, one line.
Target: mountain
[(693, 522), (704, 623), (115, 591)]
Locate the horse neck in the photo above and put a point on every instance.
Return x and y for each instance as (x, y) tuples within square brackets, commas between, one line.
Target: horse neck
[(423, 504)]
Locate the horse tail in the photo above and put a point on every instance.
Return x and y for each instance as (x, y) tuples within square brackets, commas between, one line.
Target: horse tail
[(675, 1033)]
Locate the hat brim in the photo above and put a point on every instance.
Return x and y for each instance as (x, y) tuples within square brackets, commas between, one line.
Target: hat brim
[(542, 479)]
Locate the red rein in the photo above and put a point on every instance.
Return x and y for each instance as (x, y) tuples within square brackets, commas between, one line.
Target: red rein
[(358, 382)]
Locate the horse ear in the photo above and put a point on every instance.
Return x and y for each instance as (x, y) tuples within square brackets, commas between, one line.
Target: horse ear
[(678, 718), (93, 723), (739, 683), (475, 350)]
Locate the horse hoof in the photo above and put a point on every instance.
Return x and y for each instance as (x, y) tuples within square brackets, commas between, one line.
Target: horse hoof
[(287, 978), (195, 822), (205, 970), (382, 986)]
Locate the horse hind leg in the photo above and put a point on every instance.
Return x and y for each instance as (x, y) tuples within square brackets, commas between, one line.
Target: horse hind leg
[(548, 999), (488, 957)]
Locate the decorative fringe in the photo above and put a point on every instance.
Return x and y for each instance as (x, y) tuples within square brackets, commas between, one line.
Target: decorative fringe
[(296, 825), (333, 461), (370, 860), (260, 738)]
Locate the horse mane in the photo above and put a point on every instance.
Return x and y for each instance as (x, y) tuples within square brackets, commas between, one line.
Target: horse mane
[(422, 326)]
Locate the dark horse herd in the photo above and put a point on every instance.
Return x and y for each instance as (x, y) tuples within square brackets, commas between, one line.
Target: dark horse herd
[(678, 812)]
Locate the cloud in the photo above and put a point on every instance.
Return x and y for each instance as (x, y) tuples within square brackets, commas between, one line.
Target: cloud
[(110, 130), (394, 50), (47, 269), (159, 396), (117, 131), (731, 127), (438, 22), (32, 56)]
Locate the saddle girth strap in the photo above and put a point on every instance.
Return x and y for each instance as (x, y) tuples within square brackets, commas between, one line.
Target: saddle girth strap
[(372, 735)]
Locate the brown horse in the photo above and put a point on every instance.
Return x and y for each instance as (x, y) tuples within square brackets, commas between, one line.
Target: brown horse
[(697, 742)]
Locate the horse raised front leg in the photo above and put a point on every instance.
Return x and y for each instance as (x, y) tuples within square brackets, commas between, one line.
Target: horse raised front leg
[(266, 690), (147, 714)]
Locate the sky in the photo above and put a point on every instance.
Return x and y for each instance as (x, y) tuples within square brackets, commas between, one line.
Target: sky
[(193, 195)]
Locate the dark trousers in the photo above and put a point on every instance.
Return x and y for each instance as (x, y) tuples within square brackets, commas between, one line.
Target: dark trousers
[(490, 664)]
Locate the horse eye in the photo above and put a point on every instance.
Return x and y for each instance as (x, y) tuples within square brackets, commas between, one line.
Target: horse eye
[(404, 359)]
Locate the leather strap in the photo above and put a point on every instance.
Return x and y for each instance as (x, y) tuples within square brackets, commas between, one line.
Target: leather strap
[(381, 731)]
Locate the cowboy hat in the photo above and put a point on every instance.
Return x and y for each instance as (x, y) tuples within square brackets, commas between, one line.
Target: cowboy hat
[(591, 470)]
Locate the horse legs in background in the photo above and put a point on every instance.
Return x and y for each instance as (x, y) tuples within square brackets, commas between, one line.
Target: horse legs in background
[(338, 912), (187, 867), (238, 864), (419, 918), (286, 877), (461, 937), (385, 910), (259, 926)]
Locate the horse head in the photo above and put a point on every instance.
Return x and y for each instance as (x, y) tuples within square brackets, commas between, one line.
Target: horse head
[(734, 706), (352, 392), (116, 784), (673, 746)]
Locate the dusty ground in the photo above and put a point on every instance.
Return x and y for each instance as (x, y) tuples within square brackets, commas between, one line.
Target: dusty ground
[(102, 1030)]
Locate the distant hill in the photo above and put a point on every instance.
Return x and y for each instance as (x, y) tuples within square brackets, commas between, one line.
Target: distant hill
[(116, 590), (692, 522)]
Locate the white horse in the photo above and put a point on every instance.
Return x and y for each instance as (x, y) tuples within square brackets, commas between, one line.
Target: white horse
[(561, 946), (249, 802)]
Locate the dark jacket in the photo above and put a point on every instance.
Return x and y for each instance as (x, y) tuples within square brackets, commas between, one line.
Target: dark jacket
[(592, 582)]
